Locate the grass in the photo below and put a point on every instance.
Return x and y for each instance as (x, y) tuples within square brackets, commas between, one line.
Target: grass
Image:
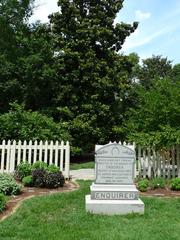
[(76, 166), (62, 216)]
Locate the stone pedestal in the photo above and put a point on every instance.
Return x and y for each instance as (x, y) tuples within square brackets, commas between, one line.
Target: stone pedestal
[(114, 199), (114, 207)]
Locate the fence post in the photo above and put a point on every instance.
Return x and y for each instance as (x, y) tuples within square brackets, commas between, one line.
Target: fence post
[(67, 160)]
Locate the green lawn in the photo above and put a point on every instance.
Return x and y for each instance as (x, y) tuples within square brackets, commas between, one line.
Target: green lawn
[(62, 217), (76, 166)]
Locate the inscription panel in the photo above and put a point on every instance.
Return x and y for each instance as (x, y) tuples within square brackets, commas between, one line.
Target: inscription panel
[(114, 170), (114, 195)]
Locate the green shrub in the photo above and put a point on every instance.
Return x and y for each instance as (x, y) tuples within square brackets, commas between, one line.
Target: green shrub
[(8, 185), (23, 170), (54, 180), (143, 185), (2, 202), (175, 184), (39, 177), (28, 181), (158, 183), (21, 124), (39, 165), (52, 169)]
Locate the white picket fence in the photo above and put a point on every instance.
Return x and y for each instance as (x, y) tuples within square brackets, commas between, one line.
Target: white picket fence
[(162, 163), (12, 153)]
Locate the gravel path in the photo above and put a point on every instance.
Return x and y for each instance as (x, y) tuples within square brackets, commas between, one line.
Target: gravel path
[(85, 174)]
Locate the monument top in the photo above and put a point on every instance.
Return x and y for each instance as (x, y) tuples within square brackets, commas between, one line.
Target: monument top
[(114, 150)]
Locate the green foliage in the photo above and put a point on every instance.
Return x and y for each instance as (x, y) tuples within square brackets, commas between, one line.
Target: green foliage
[(40, 165), (26, 125), (23, 170), (176, 73), (8, 185), (157, 183), (52, 168), (175, 184), (155, 120), (152, 69), (54, 180), (93, 76), (143, 185), (27, 181), (2, 202)]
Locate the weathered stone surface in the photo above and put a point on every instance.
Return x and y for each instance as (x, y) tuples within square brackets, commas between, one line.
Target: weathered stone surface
[(114, 164), (115, 207)]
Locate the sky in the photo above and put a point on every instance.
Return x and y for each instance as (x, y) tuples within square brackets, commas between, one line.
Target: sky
[(158, 32)]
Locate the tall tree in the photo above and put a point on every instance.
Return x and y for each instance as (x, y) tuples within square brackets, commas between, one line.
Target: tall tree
[(155, 120), (156, 67), (93, 77), (176, 73), (13, 26)]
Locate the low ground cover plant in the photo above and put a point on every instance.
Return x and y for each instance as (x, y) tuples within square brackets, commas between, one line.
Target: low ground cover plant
[(143, 185), (2, 202), (23, 170), (8, 185), (157, 183), (175, 184), (40, 174)]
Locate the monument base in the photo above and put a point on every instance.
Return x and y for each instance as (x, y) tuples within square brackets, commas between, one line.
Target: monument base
[(114, 207)]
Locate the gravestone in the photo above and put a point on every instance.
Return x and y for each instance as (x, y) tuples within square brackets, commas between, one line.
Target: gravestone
[(114, 191)]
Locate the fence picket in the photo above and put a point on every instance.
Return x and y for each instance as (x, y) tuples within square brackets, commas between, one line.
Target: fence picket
[(24, 151), (178, 159), (19, 152), (139, 160), (46, 152), (40, 150), (62, 156), (12, 157), (149, 162), (67, 159), (8, 155), (173, 161), (30, 151), (3, 155), (51, 153), (35, 152), (56, 153), (144, 163)]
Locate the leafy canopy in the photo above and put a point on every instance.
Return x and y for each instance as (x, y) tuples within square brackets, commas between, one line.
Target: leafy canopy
[(92, 75)]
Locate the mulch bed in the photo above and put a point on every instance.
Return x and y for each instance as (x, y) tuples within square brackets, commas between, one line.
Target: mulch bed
[(29, 192), (160, 192)]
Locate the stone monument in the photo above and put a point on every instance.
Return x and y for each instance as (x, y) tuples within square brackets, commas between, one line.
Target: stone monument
[(114, 191)]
